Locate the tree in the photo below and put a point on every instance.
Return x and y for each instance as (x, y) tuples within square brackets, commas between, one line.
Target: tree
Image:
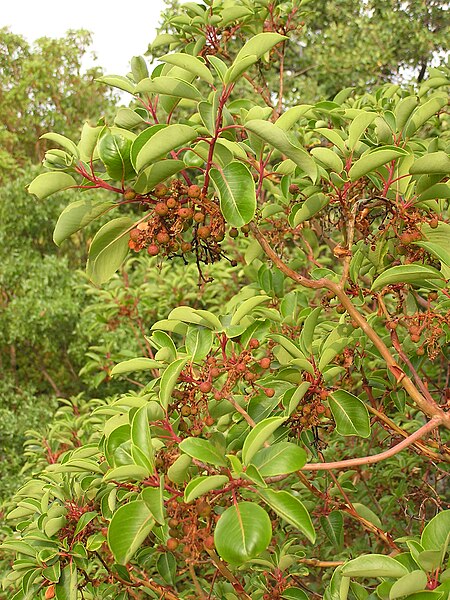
[(295, 416), (43, 87)]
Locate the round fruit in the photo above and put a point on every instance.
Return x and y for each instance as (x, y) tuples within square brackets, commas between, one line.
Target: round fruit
[(135, 234), (205, 387), (186, 247), (172, 544), (434, 223), (161, 209), (50, 591), (185, 212), (199, 217), (203, 232), (233, 232), (163, 237), (264, 363), (129, 194), (160, 190), (209, 542), (185, 411), (171, 203), (194, 191), (269, 392), (209, 421), (153, 250), (253, 343), (245, 228), (294, 189), (203, 509)]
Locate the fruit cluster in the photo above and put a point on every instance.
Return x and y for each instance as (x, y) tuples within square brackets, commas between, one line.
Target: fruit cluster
[(190, 528), (182, 220)]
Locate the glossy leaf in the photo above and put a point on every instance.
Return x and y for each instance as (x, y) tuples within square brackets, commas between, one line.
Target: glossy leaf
[(436, 534), (289, 508), (169, 380), (108, 249), (77, 215), (243, 532), (258, 435), (374, 159), (203, 451), (154, 499), (198, 342), (136, 364), (246, 307), (236, 189), (357, 128), (114, 152), (408, 584), (277, 138), (281, 458), (329, 158), (162, 142), (202, 485), (170, 86), (310, 207), (374, 565), (350, 414), (141, 441), (67, 586), (62, 141), (434, 162), (46, 184), (189, 63), (118, 81), (259, 44), (129, 527), (413, 273)]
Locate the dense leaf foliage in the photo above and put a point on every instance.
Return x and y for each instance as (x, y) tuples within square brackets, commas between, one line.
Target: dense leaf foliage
[(290, 404)]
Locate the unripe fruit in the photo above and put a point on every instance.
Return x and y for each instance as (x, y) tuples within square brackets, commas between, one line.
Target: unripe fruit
[(185, 411), (240, 368), (129, 194), (245, 228), (392, 325), (253, 343), (249, 376), (233, 232), (172, 544), (171, 203), (294, 189), (194, 191), (219, 237), (434, 223), (269, 392), (199, 217), (135, 234), (420, 351), (432, 296), (209, 421), (160, 190), (161, 209), (217, 396), (153, 250), (185, 212), (186, 247), (205, 387), (415, 337), (264, 363), (131, 245), (203, 509), (215, 372), (340, 309), (203, 232), (323, 395), (50, 592), (173, 523), (163, 237), (320, 409)]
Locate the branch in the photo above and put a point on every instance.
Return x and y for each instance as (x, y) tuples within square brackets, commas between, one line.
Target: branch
[(370, 460), (228, 575)]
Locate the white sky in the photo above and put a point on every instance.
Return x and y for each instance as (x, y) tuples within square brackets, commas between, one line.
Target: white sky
[(121, 28)]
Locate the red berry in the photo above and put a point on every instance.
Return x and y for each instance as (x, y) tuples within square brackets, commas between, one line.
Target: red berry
[(172, 544), (209, 421), (50, 592), (194, 191), (161, 209), (185, 212), (199, 217), (205, 387), (209, 542), (269, 392), (203, 232), (163, 237), (160, 190), (264, 363), (253, 343), (186, 247), (171, 203), (135, 234), (434, 223), (153, 250)]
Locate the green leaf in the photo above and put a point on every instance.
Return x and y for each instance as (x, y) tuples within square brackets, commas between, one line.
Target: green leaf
[(67, 586), (108, 249), (291, 510), (177, 472), (403, 111), (88, 141), (128, 119), (374, 159), (293, 593), (434, 162), (329, 158), (154, 174), (238, 67), (162, 142), (333, 526), (246, 307), (127, 473), (154, 499), (309, 326), (204, 451), (332, 136), (77, 215), (412, 273), (436, 250), (198, 342), (357, 127), (189, 63), (46, 184), (258, 435), (169, 380), (129, 527), (139, 68), (202, 485), (136, 364), (423, 113), (436, 533), (349, 413), (277, 138), (243, 532), (62, 141), (141, 441), (170, 86), (366, 513), (415, 581), (84, 521), (260, 44), (236, 189), (310, 207), (438, 190), (374, 565), (114, 152), (166, 566), (281, 458), (120, 82)]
